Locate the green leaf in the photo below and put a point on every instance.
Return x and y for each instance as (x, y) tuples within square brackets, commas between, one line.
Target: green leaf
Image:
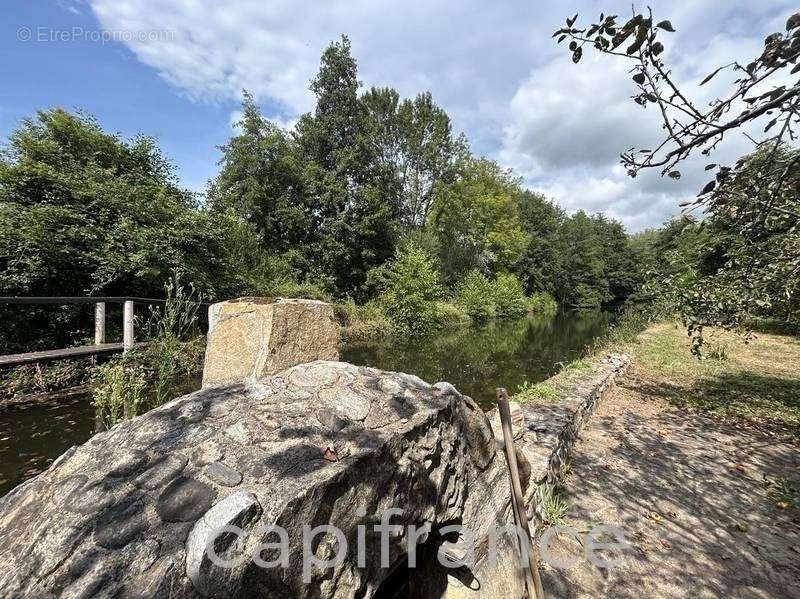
[(641, 36), (709, 77), (709, 187)]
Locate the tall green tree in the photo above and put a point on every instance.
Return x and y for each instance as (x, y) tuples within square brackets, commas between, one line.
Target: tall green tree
[(261, 180), (582, 280), (415, 138), (477, 220), (356, 223), (538, 267), (620, 265)]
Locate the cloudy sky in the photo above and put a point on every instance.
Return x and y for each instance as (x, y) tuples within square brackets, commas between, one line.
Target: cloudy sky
[(175, 70)]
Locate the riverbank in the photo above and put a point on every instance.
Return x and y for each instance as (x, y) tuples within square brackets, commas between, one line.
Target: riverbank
[(699, 463), (373, 320)]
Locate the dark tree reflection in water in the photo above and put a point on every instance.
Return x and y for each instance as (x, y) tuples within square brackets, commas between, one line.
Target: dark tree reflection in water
[(498, 354), (474, 359), (34, 433)]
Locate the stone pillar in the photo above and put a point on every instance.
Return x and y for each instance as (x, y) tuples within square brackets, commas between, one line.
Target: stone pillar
[(252, 337)]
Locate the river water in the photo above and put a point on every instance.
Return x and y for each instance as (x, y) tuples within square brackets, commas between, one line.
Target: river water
[(474, 359), (477, 360)]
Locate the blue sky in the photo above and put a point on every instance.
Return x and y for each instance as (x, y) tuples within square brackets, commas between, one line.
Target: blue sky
[(178, 74), (107, 80)]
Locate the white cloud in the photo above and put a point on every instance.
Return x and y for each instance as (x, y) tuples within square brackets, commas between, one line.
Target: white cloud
[(567, 124), (493, 66), (72, 6), (234, 118)]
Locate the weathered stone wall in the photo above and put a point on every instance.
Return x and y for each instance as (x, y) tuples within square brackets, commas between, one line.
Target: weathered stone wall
[(249, 338), (545, 432), (551, 428)]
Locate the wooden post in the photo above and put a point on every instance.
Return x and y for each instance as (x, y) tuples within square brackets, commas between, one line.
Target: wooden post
[(532, 579), (127, 325), (99, 323)]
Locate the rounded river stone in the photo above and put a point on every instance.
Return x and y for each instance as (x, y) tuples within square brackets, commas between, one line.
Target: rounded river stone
[(161, 472), (222, 474), (120, 525), (184, 500), (127, 462)]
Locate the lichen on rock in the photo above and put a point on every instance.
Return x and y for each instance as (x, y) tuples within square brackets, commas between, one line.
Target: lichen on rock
[(308, 445)]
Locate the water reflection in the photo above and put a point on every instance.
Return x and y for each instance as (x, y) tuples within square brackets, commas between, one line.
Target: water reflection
[(475, 360), (499, 354), (34, 433)]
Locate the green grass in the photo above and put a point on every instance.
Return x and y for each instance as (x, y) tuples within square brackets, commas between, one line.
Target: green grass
[(528, 392), (553, 508), (757, 381), (554, 388), (579, 365)]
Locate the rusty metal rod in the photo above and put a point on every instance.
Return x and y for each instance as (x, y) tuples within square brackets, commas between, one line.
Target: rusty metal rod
[(533, 580)]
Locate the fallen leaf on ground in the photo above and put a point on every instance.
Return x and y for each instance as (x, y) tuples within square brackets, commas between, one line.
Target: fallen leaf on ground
[(742, 527), (782, 505), (655, 517), (330, 454), (663, 432)]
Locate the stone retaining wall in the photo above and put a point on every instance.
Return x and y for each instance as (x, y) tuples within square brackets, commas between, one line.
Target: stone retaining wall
[(551, 429)]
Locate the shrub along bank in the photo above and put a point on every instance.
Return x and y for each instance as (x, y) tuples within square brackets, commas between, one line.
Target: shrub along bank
[(414, 301)]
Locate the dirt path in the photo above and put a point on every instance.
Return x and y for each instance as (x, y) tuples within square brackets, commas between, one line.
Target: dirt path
[(690, 495)]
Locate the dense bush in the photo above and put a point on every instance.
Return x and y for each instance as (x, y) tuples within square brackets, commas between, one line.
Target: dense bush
[(542, 304), (363, 322), (482, 298), (451, 314), (413, 290), (475, 294), (509, 297)]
